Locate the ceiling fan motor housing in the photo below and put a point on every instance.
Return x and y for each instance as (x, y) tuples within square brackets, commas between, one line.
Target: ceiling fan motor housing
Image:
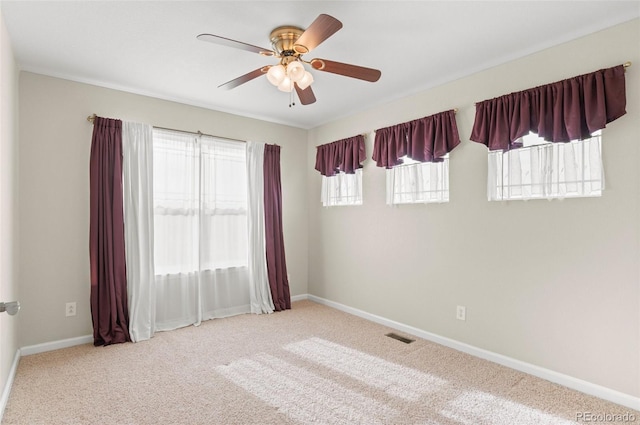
[(283, 40)]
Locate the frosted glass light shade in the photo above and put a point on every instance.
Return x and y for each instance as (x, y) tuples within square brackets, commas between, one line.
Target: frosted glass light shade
[(295, 71), (286, 85), (306, 80), (276, 74)]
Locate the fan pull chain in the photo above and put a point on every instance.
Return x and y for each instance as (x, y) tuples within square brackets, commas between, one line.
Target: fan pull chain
[(292, 101)]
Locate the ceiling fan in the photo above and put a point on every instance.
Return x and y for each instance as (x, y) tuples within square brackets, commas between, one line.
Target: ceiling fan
[(289, 44)]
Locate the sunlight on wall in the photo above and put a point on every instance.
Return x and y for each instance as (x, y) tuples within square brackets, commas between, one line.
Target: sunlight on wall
[(394, 379), (476, 407)]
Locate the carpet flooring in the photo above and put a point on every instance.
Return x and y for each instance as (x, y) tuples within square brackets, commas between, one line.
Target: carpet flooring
[(308, 365)]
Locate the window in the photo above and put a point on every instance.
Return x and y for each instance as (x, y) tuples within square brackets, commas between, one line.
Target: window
[(543, 170), (200, 203), (342, 189), (416, 182)]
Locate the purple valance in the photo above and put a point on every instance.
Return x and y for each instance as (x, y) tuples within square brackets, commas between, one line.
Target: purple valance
[(344, 155), (567, 110), (426, 139)]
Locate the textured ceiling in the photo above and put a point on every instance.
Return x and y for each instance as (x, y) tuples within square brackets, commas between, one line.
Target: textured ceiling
[(150, 47)]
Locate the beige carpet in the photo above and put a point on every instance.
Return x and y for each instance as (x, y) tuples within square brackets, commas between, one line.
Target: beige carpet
[(309, 365)]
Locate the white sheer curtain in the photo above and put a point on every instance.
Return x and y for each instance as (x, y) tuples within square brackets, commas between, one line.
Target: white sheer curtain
[(261, 301), (342, 189), (547, 171), (137, 161), (200, 211), (418, 182)]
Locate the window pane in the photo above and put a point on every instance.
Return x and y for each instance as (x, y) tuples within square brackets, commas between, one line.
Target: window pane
[(418, 182), (544, 170), (224, 204), (342, 189), (224, 175), (200, 203)]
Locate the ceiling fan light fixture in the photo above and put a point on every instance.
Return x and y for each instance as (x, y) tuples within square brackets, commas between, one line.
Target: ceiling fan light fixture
[(289, 44), (276, 74), (295, 71), (286, 85), (305, 81)]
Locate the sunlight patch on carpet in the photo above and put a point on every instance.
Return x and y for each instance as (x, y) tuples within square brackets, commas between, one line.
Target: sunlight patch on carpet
[(396, 380), (474, 407), (302, 395)]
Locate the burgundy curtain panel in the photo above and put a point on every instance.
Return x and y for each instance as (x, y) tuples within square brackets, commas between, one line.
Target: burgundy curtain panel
[(106, 235), (344, 155), (426, 139), (570, 109), (276, 262)]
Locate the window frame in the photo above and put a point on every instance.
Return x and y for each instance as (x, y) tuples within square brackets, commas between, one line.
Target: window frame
[(205, 205)]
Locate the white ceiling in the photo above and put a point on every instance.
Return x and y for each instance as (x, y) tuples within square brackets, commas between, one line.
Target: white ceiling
[(150, 47)]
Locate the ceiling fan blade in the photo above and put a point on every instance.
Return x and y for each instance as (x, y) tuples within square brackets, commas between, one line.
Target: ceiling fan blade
[(306, 96), (322, 28), (353, 71), (216, 39), (244, 78)]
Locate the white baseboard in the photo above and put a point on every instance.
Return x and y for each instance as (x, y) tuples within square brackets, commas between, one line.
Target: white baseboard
[(55, 345), (299, 297), (35, 349), (7, 386), (547, 374)]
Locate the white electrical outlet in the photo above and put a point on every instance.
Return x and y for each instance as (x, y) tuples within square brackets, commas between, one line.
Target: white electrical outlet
[(70, 309), (461, 312)]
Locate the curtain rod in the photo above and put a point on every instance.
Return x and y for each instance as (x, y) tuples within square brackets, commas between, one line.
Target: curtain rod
[(91, 119), (455, 111)]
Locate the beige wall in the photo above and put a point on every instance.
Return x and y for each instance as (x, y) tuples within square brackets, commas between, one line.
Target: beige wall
[(553, 284), (8, 194), (55, 141)]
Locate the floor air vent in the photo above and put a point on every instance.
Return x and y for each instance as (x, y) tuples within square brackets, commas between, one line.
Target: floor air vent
[(400, 338)]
